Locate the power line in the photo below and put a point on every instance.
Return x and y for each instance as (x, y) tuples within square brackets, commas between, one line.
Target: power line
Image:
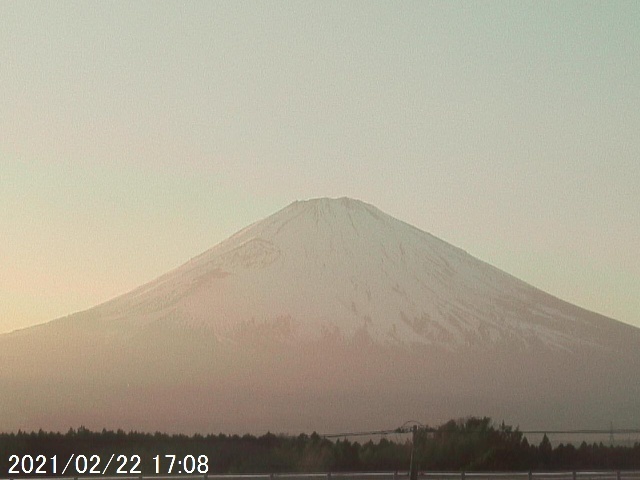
[(583, 432), (361, 434), (406, 429), (413, 427)]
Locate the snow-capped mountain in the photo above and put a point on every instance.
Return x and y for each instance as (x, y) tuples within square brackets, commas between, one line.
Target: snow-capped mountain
[(333, 282), (344, 266)]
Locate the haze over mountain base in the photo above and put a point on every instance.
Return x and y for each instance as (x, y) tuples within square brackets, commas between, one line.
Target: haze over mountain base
[(328, 315)]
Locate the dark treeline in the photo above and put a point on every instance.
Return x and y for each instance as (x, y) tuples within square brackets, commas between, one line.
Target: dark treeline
[(472, 444)]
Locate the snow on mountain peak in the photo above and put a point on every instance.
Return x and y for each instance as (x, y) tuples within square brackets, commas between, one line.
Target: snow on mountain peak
[(263, 324), (342, 265)]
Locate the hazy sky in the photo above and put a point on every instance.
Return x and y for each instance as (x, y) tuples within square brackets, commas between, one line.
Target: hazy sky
[(134, 136)]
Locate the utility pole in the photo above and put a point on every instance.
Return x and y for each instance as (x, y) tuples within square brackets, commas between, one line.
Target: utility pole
[(413, 471), (611, 441)]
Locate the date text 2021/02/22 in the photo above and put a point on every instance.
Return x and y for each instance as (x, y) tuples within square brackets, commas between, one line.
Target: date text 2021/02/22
[(95, 465)]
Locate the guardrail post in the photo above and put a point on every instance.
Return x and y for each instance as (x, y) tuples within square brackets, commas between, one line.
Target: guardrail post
[(530, 475), (462, 475), (328, 475), (574, 475), (618, 475), (206, 476), (271, 476)]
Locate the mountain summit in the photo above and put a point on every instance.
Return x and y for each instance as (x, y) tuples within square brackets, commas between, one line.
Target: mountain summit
[(343, 266), (267, 321)]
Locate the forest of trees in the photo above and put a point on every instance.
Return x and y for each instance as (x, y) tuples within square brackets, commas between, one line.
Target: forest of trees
[(471, 444)]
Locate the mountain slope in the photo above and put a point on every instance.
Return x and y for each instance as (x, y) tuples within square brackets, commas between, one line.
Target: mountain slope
[(324, 305), (344, 266)]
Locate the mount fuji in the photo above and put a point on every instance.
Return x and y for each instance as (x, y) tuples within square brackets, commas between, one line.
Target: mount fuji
[(329, 314)]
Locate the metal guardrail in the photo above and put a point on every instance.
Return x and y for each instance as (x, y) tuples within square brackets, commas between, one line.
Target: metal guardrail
[(400, 475)]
